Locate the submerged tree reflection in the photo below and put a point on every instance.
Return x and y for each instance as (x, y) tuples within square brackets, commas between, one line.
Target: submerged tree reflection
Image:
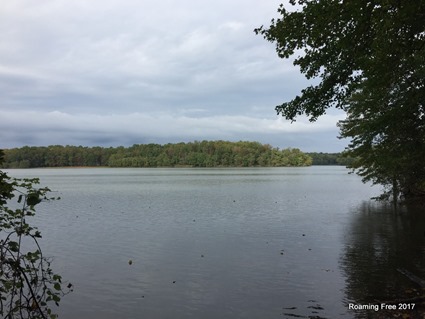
[(379, 240)]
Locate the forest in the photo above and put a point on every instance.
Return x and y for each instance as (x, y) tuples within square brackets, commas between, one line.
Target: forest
[(193, 154)]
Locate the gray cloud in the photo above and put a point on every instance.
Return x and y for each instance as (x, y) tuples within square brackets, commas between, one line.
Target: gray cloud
[(122, 72), (95, 129)]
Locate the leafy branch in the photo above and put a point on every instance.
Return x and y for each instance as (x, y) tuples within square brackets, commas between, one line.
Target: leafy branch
[(28, 285)]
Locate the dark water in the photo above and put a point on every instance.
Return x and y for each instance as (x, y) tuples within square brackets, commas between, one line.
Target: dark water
[(225, 243), (379, 241)]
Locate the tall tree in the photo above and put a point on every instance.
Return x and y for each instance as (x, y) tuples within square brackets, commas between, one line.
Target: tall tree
[(370, 58)]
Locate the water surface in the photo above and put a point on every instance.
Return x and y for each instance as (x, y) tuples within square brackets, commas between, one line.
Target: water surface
[(222, 243)]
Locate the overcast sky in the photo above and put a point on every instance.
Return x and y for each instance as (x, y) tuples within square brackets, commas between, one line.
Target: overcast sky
[(123, 72)]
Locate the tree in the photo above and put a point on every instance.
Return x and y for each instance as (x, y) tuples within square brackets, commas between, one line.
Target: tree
[(370, 58), (27, 283)]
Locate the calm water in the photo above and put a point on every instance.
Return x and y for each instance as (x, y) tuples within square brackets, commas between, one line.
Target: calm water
[(223, 243)]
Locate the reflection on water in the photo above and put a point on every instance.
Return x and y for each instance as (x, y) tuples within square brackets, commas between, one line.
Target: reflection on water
[(378, 241)]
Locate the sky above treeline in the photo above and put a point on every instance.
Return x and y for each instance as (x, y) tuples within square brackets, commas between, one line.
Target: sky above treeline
[(123, 72)]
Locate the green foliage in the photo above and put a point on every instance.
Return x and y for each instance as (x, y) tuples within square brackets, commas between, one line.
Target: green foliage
[(195, 154), (370, 58), (56, 156), (27, 283), (330, 159)]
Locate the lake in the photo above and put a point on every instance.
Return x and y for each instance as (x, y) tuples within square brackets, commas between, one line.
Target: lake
[(224, 243)]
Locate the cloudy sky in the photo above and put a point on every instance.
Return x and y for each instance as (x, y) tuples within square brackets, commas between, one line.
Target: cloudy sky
[(123, 72)]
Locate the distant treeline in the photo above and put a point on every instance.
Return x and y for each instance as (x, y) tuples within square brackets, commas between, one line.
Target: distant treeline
[(330, 159), (194, 154)]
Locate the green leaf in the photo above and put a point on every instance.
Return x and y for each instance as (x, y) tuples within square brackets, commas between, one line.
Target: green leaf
[(33, 199), (14, 246)]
